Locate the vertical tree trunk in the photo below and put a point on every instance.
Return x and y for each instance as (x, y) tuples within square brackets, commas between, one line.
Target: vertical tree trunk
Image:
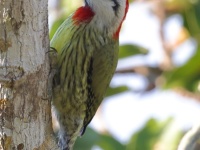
[(25, 115)]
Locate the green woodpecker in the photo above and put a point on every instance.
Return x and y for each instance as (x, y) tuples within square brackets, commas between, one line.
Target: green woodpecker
[(87, 46)]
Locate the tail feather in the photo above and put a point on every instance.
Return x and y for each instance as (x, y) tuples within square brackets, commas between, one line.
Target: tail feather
[(66, 142), (63, 143)]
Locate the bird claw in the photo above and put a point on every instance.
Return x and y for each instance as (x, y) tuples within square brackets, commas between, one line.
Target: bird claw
[(53, 54), (53, 61), (46, 98)]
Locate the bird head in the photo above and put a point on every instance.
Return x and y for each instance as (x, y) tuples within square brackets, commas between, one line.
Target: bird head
[(106, 15)]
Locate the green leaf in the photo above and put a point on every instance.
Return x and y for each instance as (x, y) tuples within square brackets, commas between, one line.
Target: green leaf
[(87, 141), (186, 76), (107, 142), (146, 137), (92, 138), (152, 134), (170, 137), (191, 19), (116, 90), (130, 50)]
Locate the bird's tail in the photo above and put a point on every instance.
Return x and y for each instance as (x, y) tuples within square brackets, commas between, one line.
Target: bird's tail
[(65, 142)]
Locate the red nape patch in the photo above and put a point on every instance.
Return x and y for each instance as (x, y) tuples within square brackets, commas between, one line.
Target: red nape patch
[(83, 14), (116, 34)]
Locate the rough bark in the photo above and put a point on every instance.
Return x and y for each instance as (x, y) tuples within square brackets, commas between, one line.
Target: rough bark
[(25, 115)]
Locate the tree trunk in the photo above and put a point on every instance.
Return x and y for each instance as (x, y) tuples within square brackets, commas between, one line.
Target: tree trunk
[(25, 114)]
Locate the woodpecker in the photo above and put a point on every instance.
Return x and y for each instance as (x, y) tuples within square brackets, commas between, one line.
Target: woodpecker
[(86, 45)]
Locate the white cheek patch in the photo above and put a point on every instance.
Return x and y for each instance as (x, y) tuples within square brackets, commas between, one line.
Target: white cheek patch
[(108, 14)]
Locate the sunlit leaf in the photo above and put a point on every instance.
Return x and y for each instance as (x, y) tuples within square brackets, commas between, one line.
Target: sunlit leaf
[(170, 137), (116, 90), (145, 138), (150, 135), (130, 50)]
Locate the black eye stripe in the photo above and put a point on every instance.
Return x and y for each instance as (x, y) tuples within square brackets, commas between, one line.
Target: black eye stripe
[(115, 8), (86, 3)]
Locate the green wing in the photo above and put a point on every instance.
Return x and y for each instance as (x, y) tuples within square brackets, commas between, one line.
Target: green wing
[(102, 67), (63, 35)]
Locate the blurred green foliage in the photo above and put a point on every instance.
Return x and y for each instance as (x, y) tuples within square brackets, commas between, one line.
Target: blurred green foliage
[(92, 138), (116, 90), (191, 17), (154, 135), (188, 75), (131, 50)]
